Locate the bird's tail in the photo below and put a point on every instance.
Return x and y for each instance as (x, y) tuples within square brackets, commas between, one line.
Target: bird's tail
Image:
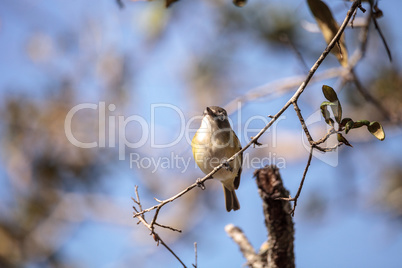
[(231, 199)]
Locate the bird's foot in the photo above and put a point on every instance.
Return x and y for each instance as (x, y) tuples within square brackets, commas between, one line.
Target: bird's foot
[(200, 184), (227, 166)]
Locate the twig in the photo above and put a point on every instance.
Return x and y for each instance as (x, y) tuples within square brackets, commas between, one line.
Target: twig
[(171, 251), (195, 255), (382, 38), (364, 34), (164, 202), (294, 199), (150, 227), (303, 123), (325, 138), (167, 227), (137, 201), (314, 144)]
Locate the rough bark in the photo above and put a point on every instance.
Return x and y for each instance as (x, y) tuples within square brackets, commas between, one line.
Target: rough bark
[(279, 250)]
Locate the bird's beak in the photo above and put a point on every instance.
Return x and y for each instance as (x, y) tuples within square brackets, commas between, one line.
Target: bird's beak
[(209, 111)]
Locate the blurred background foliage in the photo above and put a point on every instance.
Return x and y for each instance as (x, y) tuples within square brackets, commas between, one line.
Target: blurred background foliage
[(63, 206)]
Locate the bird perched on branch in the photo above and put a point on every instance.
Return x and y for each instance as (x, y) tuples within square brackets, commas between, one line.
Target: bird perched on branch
[(214, 143)]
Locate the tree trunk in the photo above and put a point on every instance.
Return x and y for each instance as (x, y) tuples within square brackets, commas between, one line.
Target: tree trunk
[(278, 252)]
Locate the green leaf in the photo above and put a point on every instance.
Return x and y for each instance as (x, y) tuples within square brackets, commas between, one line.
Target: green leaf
[(329, 93), (361, 123), (337, 110), (349, 126), (325, 113), (327, 103), (344, 121), (336, 107), (376, 129), (342, 139)]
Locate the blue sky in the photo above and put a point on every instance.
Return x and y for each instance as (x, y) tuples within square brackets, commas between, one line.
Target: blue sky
[(349, 232)]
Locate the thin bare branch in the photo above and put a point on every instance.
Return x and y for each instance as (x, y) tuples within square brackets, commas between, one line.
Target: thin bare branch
[(168, 227), (150, 227), (171, 251), (294, 199), (195, 255), (303, 123), (382, 38), (325, 138), (138, 201)]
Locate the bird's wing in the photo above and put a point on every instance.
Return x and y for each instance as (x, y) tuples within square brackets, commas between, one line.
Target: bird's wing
[(237, 179)]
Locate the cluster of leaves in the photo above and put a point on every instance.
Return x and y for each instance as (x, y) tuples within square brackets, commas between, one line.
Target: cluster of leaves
[(345, 124)]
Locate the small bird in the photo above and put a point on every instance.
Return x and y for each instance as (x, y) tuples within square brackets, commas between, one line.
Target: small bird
[(214, 143)]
